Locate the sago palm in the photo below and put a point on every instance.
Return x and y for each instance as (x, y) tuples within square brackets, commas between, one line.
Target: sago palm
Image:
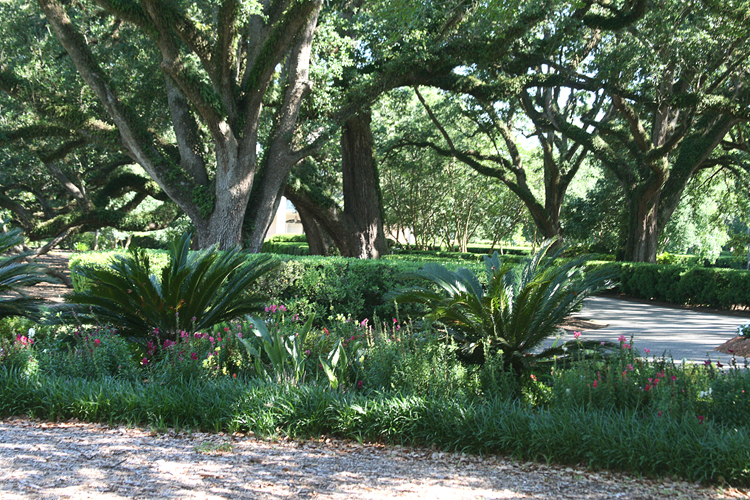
[(195, 291), (514, 312), (15, 274)]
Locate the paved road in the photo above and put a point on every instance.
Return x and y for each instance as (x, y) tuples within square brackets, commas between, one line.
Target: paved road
[(684, 334)]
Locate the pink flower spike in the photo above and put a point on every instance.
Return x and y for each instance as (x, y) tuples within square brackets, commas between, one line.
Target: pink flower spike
[(595, 383), (194, 356), (576, 334), (621, 338)]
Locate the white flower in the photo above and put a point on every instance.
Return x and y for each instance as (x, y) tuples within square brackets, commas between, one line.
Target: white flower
[(32, 332)]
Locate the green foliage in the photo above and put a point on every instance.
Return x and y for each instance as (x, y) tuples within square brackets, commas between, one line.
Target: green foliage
[(284, 350), (195, 291), (88, 353), (159, 259), (17, 354), (404, 361), (332, 286), (519, 308), (204, 199), (711, 287), (286, 244), (16, 273)]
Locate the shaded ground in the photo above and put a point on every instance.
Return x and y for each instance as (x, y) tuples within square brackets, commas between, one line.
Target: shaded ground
[(73, 460)]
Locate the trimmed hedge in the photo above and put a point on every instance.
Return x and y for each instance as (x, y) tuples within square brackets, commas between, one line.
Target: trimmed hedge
[(711, 287)]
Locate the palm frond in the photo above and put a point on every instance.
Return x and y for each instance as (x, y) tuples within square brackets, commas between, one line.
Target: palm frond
[(519, 308), (196, 290)]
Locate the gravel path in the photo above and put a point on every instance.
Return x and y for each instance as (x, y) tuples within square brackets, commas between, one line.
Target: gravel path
[(73, 460)]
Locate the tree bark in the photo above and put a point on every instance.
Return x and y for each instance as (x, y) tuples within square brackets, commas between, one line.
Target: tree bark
[(318, 240), (362, 201)]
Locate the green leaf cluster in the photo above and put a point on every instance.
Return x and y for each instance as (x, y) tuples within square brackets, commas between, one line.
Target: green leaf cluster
[(196, 290), (518, 308)]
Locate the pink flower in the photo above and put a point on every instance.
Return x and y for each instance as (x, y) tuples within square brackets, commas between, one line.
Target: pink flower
[(395, 320), (647, 388), (211, 339), (97, 342), (647, 351), (307, 352), (194, 356), (144, 361), (595, 383), (360, 384), (626, 346), (621, 338), (700, 419), (659, 414), (630, 367), (576, 334), (226, 328), (674, 378)]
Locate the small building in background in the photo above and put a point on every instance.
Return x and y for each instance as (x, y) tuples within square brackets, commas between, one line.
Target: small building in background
[(286, 220)]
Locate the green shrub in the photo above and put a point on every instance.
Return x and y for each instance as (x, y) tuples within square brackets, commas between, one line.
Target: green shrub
[(88, 353), (711, 287), (18, 354), (730, 394)]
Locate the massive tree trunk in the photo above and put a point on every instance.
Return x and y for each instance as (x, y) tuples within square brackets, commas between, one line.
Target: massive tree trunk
[(225, 90), (362, 200), (643, 228), (318, 239), (357, 229)]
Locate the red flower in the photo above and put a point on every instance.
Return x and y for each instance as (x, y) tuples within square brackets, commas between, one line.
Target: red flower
[(97, 342)]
